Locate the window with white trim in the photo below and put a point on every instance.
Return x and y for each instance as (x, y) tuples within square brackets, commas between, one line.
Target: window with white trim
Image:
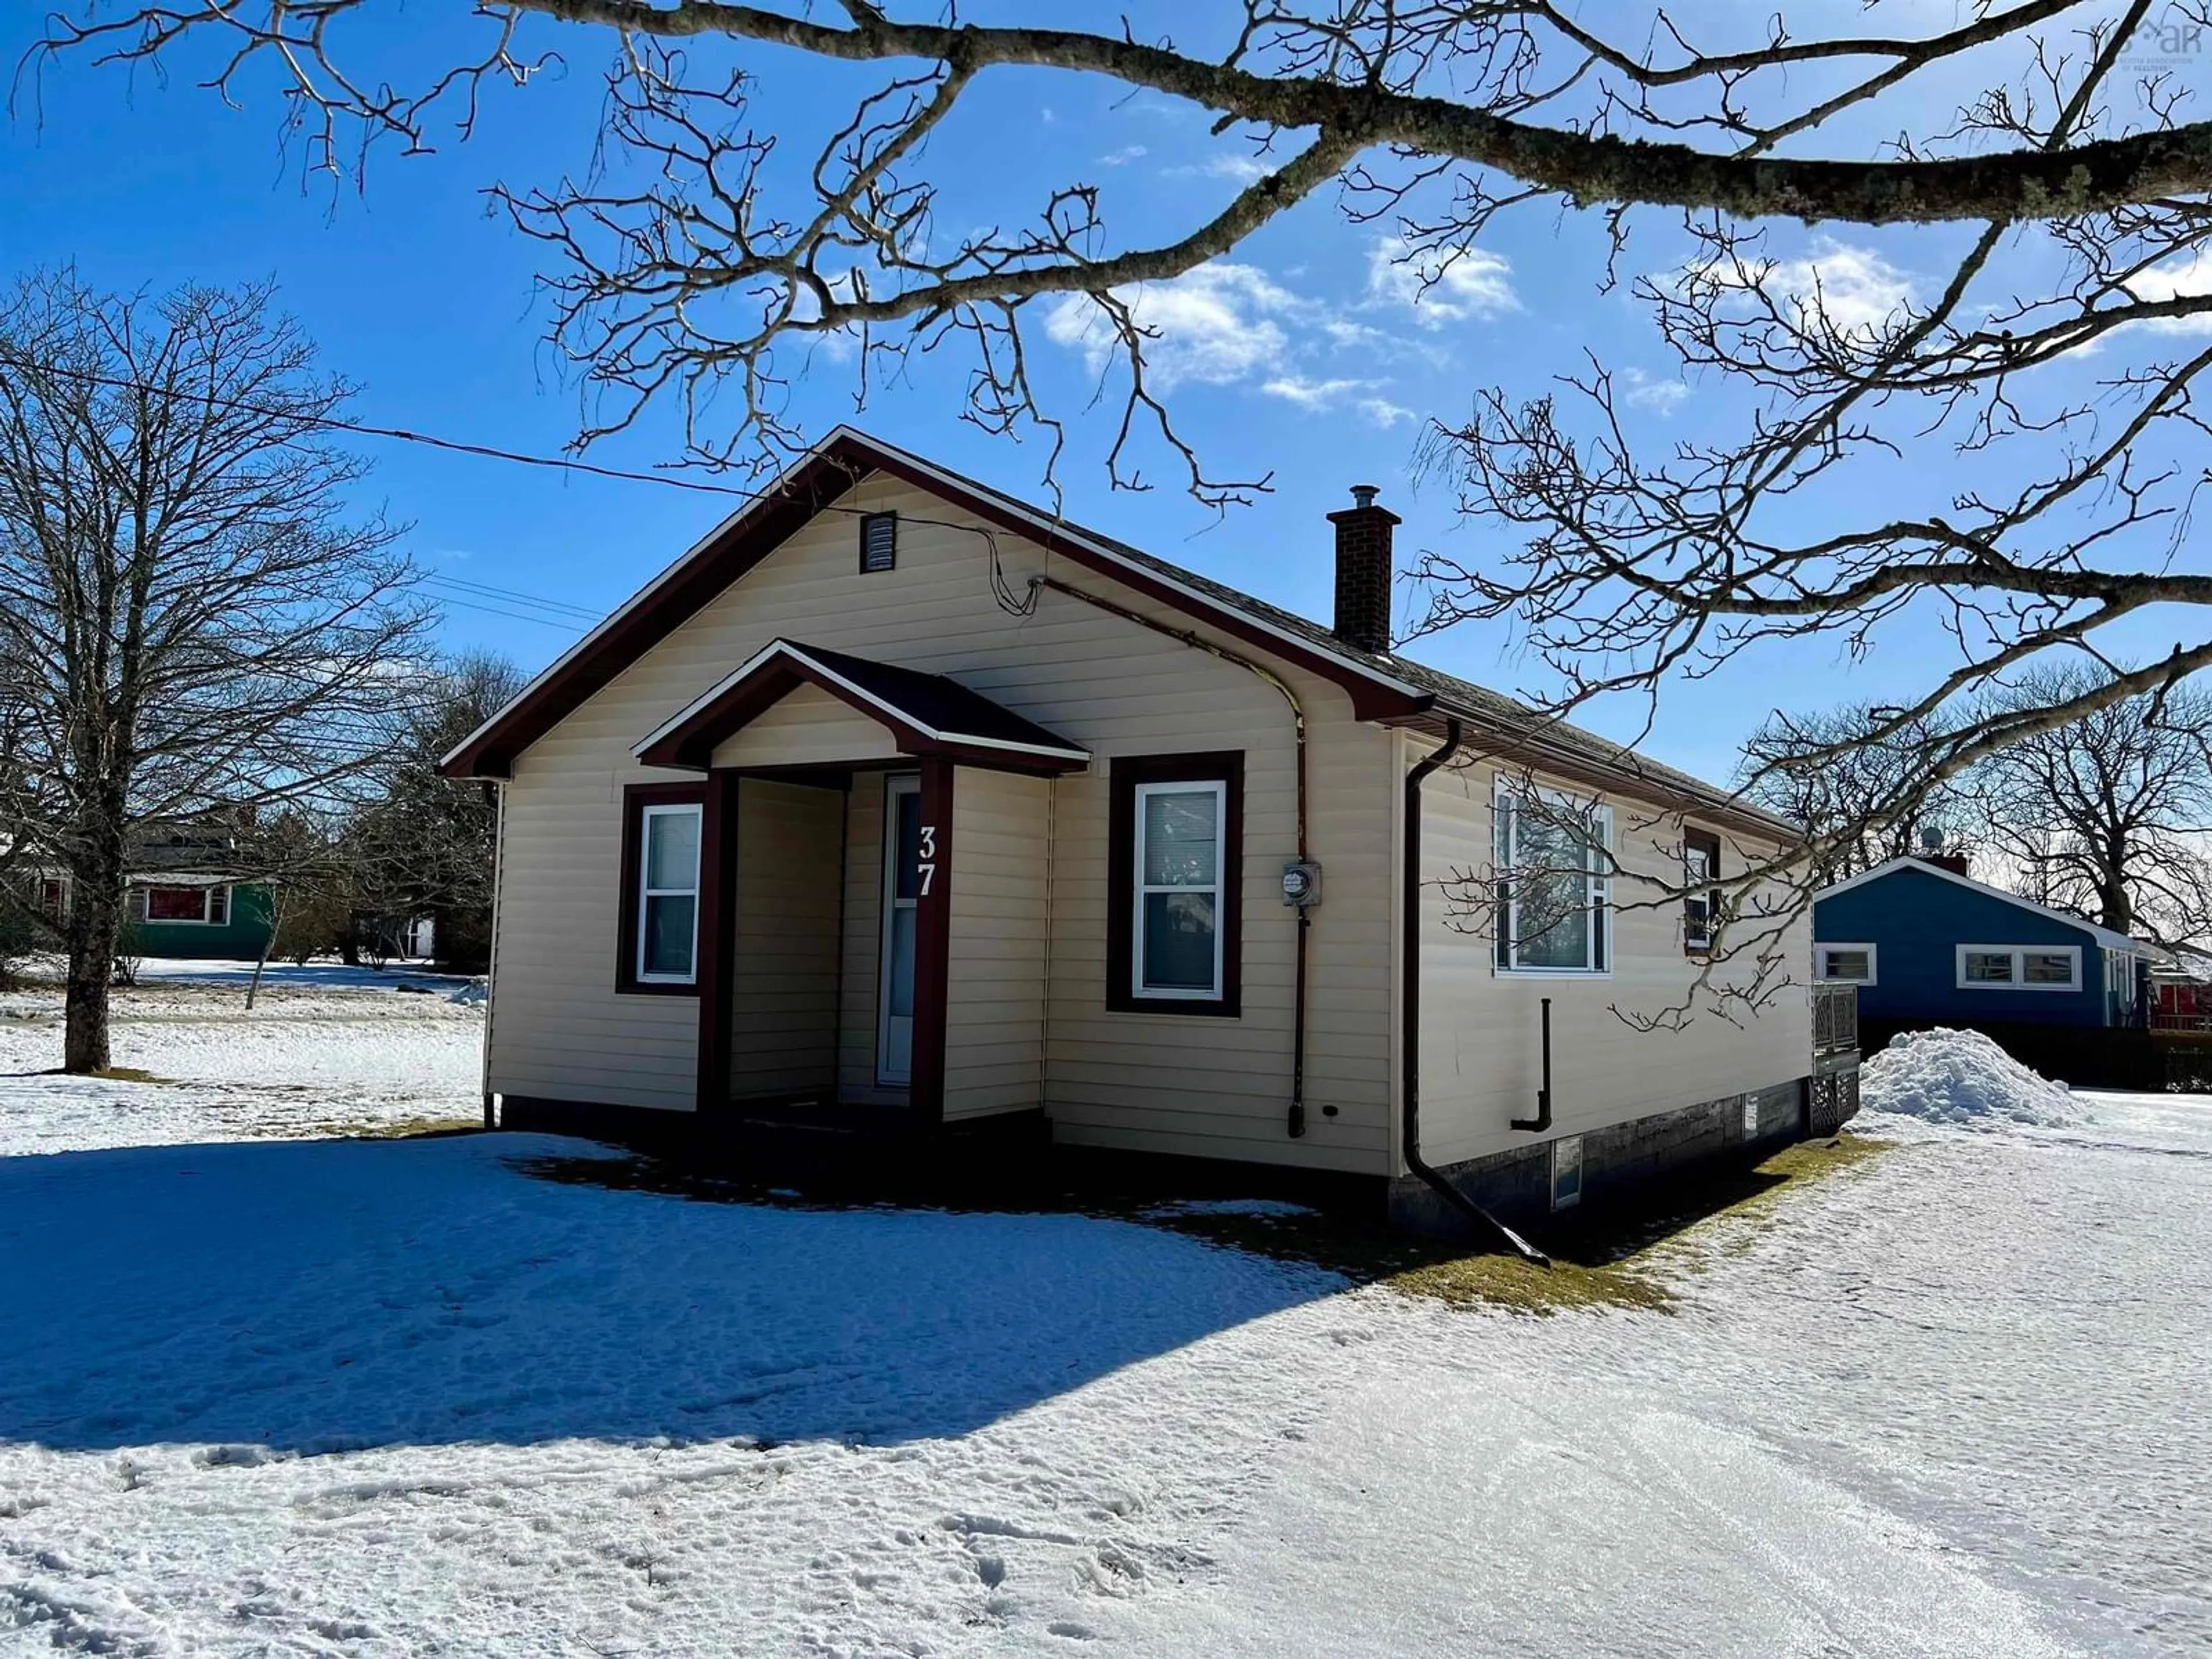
[(2019, 967), (1554, 862), (193, 906), (1843, 964), (1180, 841), (668, 895)]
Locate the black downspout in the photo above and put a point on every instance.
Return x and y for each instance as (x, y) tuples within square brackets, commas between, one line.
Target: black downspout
[(1542, 1120), (1410, 1015)]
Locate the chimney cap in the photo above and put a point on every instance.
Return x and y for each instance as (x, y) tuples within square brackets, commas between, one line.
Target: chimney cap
[(1363, 495)]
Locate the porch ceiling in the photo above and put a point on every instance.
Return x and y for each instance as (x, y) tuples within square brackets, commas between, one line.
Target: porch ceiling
[(925, 713)]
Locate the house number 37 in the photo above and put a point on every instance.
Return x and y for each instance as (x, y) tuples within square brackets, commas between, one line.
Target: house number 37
[(926, 868)]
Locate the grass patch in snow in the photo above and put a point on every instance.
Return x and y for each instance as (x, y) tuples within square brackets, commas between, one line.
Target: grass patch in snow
[(406, 1128), (1615, 1255), (1611, 1256)]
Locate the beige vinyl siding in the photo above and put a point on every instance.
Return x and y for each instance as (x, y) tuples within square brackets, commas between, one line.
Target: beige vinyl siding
[(864, 924), (1161, 1081), (806, 728), (1145, 1081), (784, 965), (1481, 1052), (1001, 883), (563, 1031)]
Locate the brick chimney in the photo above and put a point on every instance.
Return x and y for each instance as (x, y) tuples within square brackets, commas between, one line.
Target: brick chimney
[(1363, 571), (1931, 851)]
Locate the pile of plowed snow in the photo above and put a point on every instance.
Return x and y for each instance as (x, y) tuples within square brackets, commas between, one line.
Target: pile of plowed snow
[(1961, 1078)]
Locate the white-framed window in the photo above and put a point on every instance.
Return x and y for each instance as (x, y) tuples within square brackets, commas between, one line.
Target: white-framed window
[(2119, 986), (1845, 964), (1553, 855), (668, 895), (180, 905), (1566, 1172), (1181, 842), (2019, 967)]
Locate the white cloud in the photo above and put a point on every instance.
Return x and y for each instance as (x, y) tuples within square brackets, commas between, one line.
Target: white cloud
[(1243, 169), (1855, 287), (1852, 287), (1661, 398), (1317, 396), (1312, 394), (1380, 411), (1214, 325), (1123, 156), (2189, 278), (1226, 324), (1440, 288)]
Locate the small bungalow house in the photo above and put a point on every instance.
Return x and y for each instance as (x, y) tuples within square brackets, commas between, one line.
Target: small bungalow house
[(898, 806), (184, 897), (1926, 944)]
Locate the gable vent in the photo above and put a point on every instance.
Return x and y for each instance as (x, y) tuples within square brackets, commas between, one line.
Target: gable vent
[(878, 541)]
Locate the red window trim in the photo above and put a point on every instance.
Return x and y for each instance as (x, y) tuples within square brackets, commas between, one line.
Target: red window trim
[(1128, 771), (636, 798)]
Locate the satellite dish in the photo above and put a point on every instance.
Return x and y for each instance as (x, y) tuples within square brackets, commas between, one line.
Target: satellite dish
[(1931, 838)]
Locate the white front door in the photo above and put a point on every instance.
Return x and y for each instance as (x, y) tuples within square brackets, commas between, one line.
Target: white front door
[(902, 860)]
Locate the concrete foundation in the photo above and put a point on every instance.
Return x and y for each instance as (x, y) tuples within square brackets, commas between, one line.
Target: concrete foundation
[(1516, 1186)]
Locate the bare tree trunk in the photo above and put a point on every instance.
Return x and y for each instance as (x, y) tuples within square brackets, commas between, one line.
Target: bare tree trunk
[(2118, 909), (95, 926), (277, 893)]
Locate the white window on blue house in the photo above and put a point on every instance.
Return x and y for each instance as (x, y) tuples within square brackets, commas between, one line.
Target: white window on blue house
[(1845, 964), (2019, 967), (1554, 863)]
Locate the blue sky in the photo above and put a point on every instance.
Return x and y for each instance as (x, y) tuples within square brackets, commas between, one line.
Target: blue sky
[(1297, 358)]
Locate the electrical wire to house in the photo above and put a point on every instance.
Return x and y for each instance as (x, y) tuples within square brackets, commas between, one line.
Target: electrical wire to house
[(512, 604)]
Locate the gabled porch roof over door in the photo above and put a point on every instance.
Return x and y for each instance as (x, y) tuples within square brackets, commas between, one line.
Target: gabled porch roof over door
[(926, 714)]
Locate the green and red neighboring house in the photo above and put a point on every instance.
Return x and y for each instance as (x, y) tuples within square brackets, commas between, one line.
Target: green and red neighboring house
[(179, 915), (184, 899)]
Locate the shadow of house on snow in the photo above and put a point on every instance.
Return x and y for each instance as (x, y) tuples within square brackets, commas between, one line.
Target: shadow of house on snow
[(321, 1296)]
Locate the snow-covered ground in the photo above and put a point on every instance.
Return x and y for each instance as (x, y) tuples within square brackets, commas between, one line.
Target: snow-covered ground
[(399, 1397), (326, 1050)]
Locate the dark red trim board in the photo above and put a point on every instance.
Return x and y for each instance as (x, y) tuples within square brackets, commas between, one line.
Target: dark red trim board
[(910, 705), (796, 500), (718, 933), (1128, 771), (636, 798), (932, 929)]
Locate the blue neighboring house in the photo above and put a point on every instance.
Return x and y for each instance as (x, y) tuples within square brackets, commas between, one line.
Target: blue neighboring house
[(1925, 942)]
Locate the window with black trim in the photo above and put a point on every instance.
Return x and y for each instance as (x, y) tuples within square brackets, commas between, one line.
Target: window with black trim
[(662, 828), (1701, 898), (1175, 929), (878, 541)]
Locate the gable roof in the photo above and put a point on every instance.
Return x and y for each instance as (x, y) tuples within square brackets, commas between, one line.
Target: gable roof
[(927, 714), (2104, 936), (1382, 687)]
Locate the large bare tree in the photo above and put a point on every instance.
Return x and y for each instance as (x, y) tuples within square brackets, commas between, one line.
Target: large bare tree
[(190, 623), (2035, 314), (1869, 799), (2110, 816), (424, 845)]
